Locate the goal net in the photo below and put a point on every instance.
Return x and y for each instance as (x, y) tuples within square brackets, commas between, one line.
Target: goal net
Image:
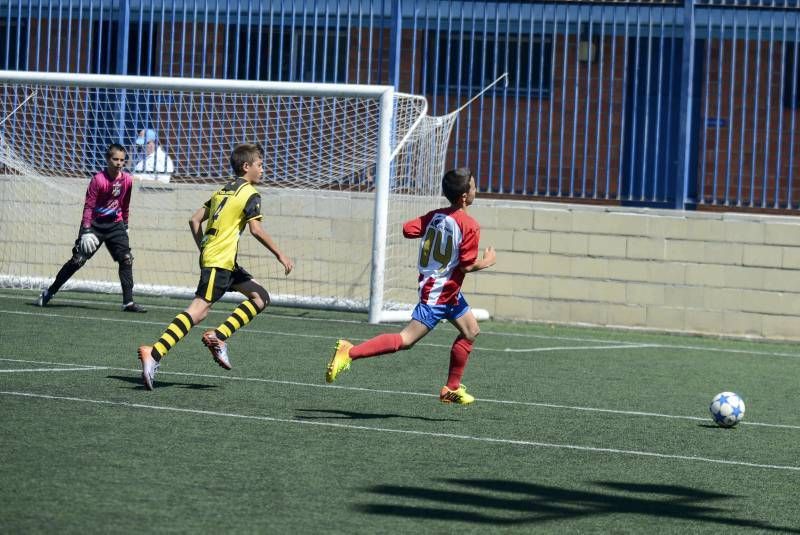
[(344, 165)]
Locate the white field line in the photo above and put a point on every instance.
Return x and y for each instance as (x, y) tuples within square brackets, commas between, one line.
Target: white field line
[(162, 372), (629, 413), (431, 434), (571, 348), (34, 370), (273, 313), (484, 333), (27, 361), (622, 344), (301, 335), (164, 307)]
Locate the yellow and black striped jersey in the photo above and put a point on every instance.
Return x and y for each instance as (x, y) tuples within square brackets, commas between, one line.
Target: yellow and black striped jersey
[(229, 210)]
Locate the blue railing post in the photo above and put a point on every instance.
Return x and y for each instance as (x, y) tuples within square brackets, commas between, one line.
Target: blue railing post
[(395, 52), (395, 45), (123, 34), (685, 147)]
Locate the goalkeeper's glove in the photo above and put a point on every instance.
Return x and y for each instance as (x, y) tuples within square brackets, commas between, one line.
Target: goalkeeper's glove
[(89, 242)]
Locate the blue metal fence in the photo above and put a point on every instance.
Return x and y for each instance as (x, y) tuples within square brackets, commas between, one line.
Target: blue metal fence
[(666, 103)]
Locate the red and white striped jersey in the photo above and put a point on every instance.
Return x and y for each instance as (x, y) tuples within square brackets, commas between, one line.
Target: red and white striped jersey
[(449, 240)]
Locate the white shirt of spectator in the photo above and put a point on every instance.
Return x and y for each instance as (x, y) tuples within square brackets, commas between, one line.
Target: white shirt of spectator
[(155, 166)]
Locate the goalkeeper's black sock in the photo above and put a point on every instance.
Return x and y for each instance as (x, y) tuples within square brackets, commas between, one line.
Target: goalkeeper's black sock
[(64, 274), (126, 281), (173, 334), (240, 317)]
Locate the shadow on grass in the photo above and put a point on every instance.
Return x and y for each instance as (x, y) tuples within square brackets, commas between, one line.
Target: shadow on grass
[(352, 415), (715, 426), (63, 306), (159, 384), (514, 503)]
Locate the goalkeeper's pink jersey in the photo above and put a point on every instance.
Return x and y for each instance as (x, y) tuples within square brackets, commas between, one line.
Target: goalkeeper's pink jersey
[(107, 200), (449, 240)]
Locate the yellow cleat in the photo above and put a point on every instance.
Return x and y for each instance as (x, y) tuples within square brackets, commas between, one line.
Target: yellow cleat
[(340, 361), (458, 395)]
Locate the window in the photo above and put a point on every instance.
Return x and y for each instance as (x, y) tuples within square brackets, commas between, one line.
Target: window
[(142, 47), (324, 57), (527, 60), (103, 50), (13, 36), (287, 54), (143, 53), (256, 55), (791, 75)]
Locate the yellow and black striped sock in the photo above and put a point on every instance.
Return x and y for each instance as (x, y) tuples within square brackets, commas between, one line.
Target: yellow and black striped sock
[(173, 334), (240, 317)]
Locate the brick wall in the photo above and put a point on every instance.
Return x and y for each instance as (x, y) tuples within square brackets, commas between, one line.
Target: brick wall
[(754, 141)]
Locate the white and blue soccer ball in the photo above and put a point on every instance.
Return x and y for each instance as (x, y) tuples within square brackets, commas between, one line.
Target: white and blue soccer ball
[(727, 409)]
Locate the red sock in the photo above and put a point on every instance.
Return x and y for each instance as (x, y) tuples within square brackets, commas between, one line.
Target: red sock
[(459, 354), (380, 345)]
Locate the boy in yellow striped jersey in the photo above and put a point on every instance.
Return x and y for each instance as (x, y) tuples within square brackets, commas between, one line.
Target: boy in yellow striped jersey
[(229, 210)]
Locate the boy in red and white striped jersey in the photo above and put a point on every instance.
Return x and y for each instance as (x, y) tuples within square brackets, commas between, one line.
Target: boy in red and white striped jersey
[(448, 251)]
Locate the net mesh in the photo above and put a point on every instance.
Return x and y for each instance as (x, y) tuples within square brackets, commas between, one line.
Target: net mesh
[(318, 191)]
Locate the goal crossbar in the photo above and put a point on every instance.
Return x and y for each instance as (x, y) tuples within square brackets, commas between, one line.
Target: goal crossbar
[(210, 85)]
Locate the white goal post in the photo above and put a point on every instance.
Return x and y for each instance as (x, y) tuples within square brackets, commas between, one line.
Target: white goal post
[(344, 166)]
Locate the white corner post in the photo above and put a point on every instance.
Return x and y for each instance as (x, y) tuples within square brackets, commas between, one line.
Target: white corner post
[(381, 207)]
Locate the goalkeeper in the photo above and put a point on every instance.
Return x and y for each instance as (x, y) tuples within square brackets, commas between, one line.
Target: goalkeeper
[(229, 210), (105, 220)]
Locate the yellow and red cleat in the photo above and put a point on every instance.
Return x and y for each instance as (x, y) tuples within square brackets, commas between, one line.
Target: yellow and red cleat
[(459, 395), (340, 361)]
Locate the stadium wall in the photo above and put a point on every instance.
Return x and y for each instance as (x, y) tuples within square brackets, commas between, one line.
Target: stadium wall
[(700, 272), (703, 272)]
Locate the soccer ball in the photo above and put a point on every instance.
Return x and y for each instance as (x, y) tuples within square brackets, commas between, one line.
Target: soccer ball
[(727, 409)]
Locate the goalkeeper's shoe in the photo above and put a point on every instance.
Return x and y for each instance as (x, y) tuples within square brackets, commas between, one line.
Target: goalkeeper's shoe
[(133, 307), (218, 348), (340, 361), (149, 366), (459, 395), (44, 298)]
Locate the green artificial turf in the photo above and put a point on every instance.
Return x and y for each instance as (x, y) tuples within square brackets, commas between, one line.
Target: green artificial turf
[(574, 430)]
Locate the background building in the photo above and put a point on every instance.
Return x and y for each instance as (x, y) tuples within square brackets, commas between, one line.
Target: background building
[(667, 103)]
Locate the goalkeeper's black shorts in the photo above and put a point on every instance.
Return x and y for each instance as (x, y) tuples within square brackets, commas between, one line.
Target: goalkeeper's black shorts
[(113, 235)]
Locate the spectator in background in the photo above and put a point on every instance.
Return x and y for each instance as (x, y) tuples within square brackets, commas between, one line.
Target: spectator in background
[(155, 164)]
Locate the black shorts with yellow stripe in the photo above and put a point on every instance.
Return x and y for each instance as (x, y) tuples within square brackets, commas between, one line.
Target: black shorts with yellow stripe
[(214, 282)]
